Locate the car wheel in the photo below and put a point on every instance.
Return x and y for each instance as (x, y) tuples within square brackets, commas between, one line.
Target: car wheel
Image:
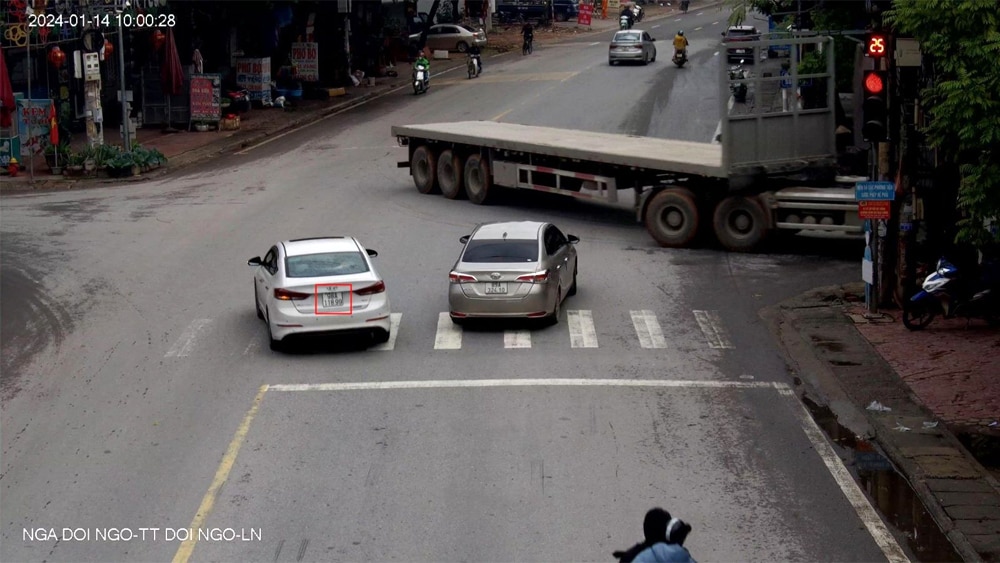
[(381, 336), (740, 223), (423, 167), (554, 318), (458, 321), (572, 289), (645, 59), (449, 173), (653, 60), (478, 182), (462, 46), (671, 218), (260, 314), (274, 344), (611, 62)]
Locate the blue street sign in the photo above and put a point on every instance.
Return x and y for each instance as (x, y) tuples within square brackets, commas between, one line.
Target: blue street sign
[(874, 191)]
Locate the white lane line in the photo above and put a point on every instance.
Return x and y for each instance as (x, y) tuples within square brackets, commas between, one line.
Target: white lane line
[(699, 13), (656, 26), (594, 43), (677, 20), (715, 23), (715, 54), (393, 333), (866, 512), (464, 383), (250, 347), (699, 28), (185, 343), (648, 329), (449, 335), (517, 339), (582, 333), (711, 325)]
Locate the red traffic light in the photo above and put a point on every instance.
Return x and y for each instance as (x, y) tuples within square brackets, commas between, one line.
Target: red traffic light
[(874, 83), (876, 45)]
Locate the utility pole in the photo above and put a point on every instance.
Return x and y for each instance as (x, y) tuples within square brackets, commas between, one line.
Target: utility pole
[(122, 93)]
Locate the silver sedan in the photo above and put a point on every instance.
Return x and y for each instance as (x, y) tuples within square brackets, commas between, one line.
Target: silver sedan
[(632, 45), (513, 269)]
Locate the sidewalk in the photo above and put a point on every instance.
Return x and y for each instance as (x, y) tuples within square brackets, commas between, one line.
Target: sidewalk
[(938, 384)]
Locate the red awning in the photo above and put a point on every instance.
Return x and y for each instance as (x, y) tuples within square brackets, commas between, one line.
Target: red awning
[(6, 94)]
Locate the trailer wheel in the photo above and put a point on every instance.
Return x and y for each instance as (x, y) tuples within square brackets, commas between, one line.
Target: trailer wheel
[(423, 166), (478, 181), (672, 218), (449, 174), (740, 223)]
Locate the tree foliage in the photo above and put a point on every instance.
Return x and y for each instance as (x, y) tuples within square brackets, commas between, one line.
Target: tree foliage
[(961, 39)]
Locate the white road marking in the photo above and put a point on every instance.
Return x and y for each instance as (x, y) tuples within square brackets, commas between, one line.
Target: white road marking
[(185, 343), (517, 339), (594, 43), (699, 13), (648, 329), (465, 383), (449, 335), (677, 20), (699, 28), (393, 333), (715, 54), (715, 23), (250, 347), (656, 26), (711, 325), (886, 542), (582, 333)]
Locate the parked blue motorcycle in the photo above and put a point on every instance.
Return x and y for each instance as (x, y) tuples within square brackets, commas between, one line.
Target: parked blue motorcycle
[(948, 293)]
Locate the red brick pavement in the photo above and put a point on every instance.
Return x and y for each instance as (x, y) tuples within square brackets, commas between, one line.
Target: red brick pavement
[(952, 369)]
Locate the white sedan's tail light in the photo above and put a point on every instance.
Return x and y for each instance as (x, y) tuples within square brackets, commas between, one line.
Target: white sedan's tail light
[(372, 289), (287, 295), (455, 277), (537, 277)]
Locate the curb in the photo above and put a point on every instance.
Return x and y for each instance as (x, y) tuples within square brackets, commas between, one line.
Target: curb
[(909, 452)]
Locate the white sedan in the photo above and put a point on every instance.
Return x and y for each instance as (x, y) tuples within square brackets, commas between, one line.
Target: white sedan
[(324, 285)]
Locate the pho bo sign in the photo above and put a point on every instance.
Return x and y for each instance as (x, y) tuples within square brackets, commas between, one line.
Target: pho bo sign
[(255, 76), (305, 57)]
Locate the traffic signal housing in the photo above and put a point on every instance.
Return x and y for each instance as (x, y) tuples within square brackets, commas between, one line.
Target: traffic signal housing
[(876, 45), (875, 106)]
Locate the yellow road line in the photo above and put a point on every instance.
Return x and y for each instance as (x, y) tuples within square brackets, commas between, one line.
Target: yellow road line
[(221, 475)]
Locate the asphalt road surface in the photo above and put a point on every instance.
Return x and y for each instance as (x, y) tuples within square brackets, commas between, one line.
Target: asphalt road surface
[(141, 399)]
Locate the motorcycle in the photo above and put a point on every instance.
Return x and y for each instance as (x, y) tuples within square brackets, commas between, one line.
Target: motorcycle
[(948, 293), (240, 100), (474, 66), (680, 57), (421, 79), (623, 23), (738, 86), (637, 10)]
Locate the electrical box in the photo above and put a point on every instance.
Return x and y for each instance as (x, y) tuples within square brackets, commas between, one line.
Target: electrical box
[(91, 67)]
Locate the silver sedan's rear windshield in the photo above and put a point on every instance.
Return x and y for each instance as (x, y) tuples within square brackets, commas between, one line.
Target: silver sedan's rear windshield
[(326, 264), (626, 37), (499, 250)]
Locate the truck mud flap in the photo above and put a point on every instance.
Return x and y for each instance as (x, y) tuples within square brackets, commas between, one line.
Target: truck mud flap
[(403, 164)]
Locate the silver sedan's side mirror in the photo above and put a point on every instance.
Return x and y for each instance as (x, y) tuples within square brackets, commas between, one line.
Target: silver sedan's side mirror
[(464, 239), (255, 261), (371, 252), (573, 239)]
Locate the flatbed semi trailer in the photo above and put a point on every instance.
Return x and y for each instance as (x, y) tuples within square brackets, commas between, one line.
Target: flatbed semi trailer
[(744, 192)]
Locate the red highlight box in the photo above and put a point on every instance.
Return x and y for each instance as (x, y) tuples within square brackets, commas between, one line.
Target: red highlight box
[(350, 297)]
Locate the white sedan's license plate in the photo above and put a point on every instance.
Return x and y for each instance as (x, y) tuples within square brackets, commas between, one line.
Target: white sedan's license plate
[(496, 288), (331, 299)]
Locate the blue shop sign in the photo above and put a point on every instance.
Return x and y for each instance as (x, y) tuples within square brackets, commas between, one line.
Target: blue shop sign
[(874, 191)]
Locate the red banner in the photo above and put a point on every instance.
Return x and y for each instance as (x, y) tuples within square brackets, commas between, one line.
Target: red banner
[(586, 12), (875, 209)]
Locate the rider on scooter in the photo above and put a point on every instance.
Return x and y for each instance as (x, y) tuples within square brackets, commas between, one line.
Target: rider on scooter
[(476, 52), (680, 44)]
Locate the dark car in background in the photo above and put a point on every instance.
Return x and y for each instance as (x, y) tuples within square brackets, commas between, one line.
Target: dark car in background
[(537, 10), (736, 34)]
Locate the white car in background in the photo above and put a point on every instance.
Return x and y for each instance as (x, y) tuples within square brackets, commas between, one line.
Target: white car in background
[(323, 285)]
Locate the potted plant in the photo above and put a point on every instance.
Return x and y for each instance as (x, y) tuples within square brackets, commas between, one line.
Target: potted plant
[(104, 154), (74, 164), (121, 165), (56, 156), (141, 157), (157, 158)]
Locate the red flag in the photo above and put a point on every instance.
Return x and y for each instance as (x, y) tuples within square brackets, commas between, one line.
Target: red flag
[(53, 126)]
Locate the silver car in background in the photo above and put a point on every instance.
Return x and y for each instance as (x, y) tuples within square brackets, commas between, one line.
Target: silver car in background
[(519, 269), (632, 45)]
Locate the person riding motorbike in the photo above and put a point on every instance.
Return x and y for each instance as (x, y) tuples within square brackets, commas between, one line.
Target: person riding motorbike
[(680, 44), (528, 33), (476, 52), (422, 60), (629, 15)]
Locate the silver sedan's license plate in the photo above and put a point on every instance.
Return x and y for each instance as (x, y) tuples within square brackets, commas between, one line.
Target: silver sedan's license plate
[(331, 299), (496, 288)]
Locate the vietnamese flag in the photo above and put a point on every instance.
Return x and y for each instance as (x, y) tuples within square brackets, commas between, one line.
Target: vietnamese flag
[(53, 126)]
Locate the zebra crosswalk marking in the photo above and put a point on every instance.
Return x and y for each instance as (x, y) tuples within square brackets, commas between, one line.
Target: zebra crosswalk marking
[(449, 335), (647, 328), (582, 333), (517, 339)]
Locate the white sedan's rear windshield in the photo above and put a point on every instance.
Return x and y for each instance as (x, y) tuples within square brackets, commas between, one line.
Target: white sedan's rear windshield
[(326, 264), (627, 37), (498, 250)]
